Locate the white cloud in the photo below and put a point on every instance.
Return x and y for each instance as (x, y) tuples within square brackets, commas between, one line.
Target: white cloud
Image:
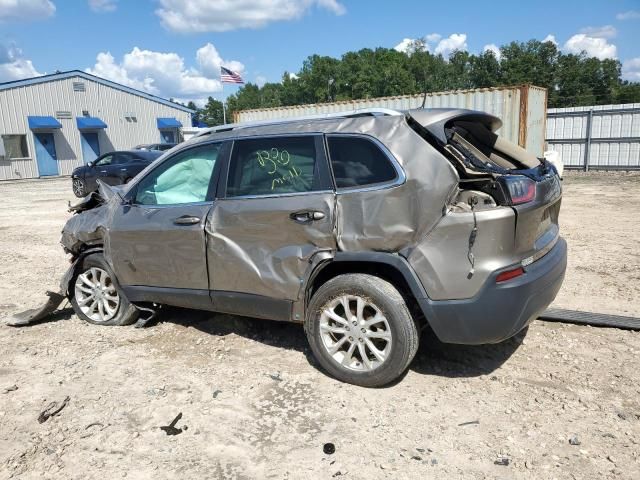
[(187, 16), (593, 46), (433, 38), (492, 47), (455, 41), (435, 42), (210, 61), (630, 15), (631, 69), (26, 9), (550, 38), (606, 31), (165, 73), (13, 65), (260, 80), (103, 6), (333, 6), (409, 45)]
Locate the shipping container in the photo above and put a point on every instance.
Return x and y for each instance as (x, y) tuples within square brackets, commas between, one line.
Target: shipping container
[(522, 109), (605, 137)]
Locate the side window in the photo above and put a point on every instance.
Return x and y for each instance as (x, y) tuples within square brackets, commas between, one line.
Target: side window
[(106, 160), (273, 165), (120, 158), (358, 162), (184, 178)]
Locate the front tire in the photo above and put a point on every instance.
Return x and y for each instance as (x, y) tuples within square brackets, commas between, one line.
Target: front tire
[(79, 187), (360, 330), (96, 296)]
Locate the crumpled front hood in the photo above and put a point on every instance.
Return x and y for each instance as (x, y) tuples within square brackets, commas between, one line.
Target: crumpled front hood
[(92, 218)]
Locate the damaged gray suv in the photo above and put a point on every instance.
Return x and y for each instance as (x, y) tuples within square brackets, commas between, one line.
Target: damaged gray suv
[(365, 227)]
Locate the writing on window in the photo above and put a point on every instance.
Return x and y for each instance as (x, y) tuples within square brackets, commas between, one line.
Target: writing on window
[(272, 165)]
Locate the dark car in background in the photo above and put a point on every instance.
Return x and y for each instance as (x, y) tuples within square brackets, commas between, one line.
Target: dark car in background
[(161, 147), (113, 168)]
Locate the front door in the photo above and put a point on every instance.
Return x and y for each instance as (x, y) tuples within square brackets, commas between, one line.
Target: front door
[(46, 154), (158, 239), (168, 136), (90, 146), (276, 214)]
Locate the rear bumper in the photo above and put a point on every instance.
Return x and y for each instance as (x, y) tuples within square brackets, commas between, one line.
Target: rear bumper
[(499, 311)]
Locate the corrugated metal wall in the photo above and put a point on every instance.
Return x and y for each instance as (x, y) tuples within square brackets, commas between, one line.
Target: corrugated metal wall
[(107, 103), (597, 137), (522, 109)]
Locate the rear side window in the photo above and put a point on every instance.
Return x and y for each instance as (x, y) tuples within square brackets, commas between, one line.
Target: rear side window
[(358, 162), (272, 165)]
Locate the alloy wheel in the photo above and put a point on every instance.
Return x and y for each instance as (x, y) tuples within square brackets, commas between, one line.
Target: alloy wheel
[(96, 295), (78, 187), (355, 333)]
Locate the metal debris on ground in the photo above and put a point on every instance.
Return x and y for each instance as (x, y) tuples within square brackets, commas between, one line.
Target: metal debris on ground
[(171, 428), (503, 461), (216, 393), (52, 410), (574, 440), (12, 388), (472, 422), (329, 448)]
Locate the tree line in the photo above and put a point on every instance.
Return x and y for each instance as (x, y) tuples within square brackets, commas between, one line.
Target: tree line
[(571, 80)]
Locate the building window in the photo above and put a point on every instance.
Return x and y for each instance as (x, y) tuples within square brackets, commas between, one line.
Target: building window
[(63, 115), (78, 86), (15, 146)]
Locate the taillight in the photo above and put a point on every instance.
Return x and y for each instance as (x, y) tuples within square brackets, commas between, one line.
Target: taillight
[(509, 274), (521, 189)]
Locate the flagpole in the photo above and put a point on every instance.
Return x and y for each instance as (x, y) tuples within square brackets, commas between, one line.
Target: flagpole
[(224, 111)]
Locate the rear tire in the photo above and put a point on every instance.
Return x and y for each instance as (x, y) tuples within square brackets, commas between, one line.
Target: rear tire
[(96, 296), (360, 330), (79, 187)]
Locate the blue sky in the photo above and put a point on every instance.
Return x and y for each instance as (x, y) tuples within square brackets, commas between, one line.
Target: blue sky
[(174, 48)]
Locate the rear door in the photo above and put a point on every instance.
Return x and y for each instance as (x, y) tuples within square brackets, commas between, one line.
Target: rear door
[(276, 213), (158, 239)]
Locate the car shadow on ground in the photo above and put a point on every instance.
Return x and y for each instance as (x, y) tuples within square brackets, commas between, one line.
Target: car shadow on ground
[(433, 357)]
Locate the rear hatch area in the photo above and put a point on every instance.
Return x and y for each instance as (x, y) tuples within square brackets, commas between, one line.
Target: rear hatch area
[(494, 173)]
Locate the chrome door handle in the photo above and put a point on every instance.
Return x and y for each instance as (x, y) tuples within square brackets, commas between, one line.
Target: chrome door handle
[(186, 220), (307, 216), (103, 171)]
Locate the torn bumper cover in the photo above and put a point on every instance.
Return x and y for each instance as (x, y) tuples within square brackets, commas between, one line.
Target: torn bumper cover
[(85, 229)]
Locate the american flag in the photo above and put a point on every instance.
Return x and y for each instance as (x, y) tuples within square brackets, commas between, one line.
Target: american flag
[(229, 76)]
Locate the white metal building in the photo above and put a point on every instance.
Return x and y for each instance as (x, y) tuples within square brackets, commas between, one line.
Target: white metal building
[(51, 124)]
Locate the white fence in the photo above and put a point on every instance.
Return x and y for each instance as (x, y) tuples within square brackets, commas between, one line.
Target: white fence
[(604, 137)]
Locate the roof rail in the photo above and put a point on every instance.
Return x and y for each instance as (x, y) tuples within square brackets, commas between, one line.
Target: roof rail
[(362, 112)]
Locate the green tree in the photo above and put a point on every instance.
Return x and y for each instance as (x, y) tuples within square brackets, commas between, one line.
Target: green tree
[(570, 79), (212, 113)]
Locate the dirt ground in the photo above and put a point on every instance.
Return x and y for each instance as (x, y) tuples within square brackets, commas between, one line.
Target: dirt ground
[(254, 403)]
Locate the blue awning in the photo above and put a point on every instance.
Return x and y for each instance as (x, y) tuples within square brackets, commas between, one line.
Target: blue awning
[(90, 123), (43, 123), (169, 122)]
